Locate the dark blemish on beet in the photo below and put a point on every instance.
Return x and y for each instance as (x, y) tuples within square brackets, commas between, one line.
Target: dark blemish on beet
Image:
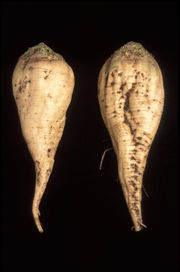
[(38, 179), (132, 158), (126, 104), (118, 92), (20, 89), (31, 68), (136, 168), (139, 138), (126, 121), (132, 183), (122, 86), (48, 171), (46, 77), (135, 177), (48, 153), (37, 163), (138, 143), (106, 80), (112, 83), (137, 211), (120, 74)]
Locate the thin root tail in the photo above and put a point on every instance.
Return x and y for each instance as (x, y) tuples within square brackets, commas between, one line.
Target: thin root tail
[(140, 227), (36, 214), (102, 158)]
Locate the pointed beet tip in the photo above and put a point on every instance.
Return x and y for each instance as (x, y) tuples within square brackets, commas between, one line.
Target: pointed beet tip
[(36, 215)]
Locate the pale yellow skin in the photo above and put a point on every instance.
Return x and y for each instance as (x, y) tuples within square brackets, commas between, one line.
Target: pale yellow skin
[(42, 87), (131, 99)]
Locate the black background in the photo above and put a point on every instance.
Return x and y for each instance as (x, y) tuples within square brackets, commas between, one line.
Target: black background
[(83, 212)]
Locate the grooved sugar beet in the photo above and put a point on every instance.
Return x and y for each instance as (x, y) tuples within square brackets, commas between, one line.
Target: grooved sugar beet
[(131, 98), (42, 87)]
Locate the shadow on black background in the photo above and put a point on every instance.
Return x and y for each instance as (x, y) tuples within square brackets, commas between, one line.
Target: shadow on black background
[(86, 221)]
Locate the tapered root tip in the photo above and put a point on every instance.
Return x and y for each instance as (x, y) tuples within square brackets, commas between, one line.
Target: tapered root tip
[(139, 227), (36, 215)]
